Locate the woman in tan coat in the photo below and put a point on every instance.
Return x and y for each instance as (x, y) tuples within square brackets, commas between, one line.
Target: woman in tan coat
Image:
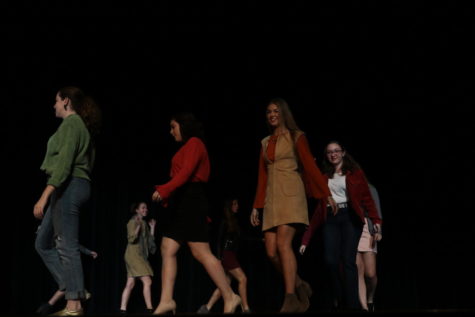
[(140, 236), (286, 170)]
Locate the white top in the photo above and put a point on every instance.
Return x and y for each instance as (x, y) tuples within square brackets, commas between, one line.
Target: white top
[(337, 186)]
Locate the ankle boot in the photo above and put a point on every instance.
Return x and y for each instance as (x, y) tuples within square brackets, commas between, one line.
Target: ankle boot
[(291, 304), (304, 291), (307, 288)]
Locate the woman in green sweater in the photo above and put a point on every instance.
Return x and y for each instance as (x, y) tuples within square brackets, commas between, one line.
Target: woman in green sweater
[(46, 307), (68, 163)]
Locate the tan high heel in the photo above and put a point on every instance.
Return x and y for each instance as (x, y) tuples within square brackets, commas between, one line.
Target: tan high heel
[(165, 308), (236, 301)]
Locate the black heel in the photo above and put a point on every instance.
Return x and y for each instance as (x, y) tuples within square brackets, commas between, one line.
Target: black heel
[(370, 307), (203, 310), (44, 309)]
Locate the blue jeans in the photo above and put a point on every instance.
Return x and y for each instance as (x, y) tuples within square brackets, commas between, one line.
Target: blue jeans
[(341, 235), (57, 238)]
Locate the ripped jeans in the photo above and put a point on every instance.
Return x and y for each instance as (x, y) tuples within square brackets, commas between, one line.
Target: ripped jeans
[(57, 240)]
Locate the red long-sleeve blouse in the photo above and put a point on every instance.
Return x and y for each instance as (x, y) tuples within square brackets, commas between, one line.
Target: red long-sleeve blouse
[(189, 164), (315, 184)]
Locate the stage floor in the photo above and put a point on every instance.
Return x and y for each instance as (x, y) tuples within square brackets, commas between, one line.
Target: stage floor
[(426, 312)]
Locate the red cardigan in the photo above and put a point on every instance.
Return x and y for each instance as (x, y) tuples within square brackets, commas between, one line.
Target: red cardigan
[(359, 198), (189, 164)]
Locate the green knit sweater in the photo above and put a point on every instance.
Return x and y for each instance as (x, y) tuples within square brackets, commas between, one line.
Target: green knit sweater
[(69, 152)]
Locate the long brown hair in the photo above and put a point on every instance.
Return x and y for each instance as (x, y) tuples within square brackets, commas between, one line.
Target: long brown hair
[(84, 106), (286, 115), (229, 217), (349, 163)]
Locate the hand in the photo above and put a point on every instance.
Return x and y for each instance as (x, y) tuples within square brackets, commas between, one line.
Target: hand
[(138, 220), (156, 197), (94, 254), (38, 209), (255, 217), (333, 205), (302, 249), (377, 228), (378, 236), (375, 238)]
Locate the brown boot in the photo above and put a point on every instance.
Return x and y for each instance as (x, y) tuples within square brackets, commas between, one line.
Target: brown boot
[(307, 288), (291, 304), (304, 291)]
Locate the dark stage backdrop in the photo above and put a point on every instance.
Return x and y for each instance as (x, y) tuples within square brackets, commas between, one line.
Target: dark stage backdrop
[(393, 83)]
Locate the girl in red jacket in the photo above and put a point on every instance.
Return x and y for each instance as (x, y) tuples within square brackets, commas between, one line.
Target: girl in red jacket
[(342, 229)]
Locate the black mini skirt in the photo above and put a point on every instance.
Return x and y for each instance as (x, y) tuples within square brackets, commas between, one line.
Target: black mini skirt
[(185, 217)]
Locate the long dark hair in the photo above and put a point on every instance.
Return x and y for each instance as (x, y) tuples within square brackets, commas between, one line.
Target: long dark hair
[(286, 115), (189, 126), (84, 106), (349, 163), (229, 217)]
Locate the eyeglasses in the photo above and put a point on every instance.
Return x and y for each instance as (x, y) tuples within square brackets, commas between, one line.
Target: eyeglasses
[(335, 151)]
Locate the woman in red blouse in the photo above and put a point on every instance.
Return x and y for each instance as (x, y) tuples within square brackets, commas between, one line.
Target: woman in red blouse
[(284, 159), (342, 231), (185, 197)]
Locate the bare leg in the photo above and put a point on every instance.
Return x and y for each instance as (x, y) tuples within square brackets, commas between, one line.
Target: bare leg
[(215, 296), (270, 239), (147, 295), (371, 277), (279, 250), (73, 305), (213, 299), (212, 265), (168, 249), (239, 275), (285, 234), (361, 280), (126, 292), (56, 296)]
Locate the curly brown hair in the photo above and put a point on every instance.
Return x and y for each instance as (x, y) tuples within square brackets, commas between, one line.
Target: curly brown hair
[(84, 106)]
